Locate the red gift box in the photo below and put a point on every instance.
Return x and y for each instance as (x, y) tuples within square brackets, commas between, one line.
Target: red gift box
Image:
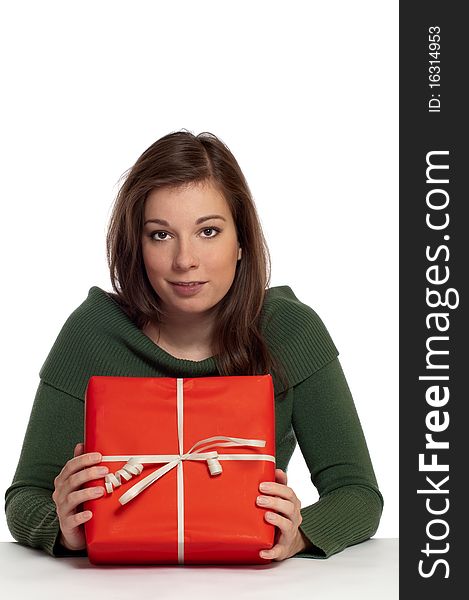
[(185, 459)]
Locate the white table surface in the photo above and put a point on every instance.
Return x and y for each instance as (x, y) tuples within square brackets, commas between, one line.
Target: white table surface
[(367, 570)]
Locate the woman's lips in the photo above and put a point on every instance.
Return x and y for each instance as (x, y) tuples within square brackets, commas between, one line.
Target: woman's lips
[(185, 289)]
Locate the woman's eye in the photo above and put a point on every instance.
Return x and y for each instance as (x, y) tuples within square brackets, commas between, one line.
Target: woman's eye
[(159, 234), (211, 229)]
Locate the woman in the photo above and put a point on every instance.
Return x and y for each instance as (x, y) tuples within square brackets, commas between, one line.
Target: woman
[(190, 273)]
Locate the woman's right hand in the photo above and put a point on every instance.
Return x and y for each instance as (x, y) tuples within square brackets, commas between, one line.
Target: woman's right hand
[(69, 494)]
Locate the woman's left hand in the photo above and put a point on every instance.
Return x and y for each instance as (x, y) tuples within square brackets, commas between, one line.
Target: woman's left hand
[(289, 540)]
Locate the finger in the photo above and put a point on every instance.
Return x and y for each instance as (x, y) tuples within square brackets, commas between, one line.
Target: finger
[(277, 552), (80, 496), (76, 499), (69, 523), (285, 507), (80, 462), (278, 489), (285, 525), (65, 487), (76, 480)]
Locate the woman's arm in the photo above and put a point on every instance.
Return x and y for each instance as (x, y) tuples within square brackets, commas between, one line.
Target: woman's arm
[(55, 426), (331, 440)]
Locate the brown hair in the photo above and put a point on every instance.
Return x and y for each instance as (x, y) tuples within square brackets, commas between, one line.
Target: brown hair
[(178, 159)]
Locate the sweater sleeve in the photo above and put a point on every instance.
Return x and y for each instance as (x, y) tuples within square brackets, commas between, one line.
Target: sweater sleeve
[(55, 427), (331, 440)]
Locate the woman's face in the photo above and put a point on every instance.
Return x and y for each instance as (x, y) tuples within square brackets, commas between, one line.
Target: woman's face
[(189, 236)]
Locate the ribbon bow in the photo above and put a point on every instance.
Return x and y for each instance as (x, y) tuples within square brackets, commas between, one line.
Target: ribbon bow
[(134, 464)]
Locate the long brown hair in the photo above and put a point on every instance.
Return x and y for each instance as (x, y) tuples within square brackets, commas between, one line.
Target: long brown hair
[(178, 159)]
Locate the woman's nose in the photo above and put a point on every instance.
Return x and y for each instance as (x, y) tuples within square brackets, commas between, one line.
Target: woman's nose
[(185, 256)]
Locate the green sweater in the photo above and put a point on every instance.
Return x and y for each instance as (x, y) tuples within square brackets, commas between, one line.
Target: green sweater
[(316, 409)]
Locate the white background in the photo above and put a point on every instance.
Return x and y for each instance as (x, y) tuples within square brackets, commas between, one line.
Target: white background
[(305, 95)]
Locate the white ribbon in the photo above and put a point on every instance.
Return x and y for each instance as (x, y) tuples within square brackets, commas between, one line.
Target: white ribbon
[(134, 464)]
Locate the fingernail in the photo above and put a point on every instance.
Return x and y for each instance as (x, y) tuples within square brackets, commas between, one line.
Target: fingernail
[(103, 470), (264, 554), (270, 516), (97, 456), (98, 491), (262, 500), (264, 487)]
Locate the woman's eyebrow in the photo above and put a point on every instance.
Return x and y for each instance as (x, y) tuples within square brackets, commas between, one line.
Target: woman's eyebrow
[(208, 217), (199, 220)]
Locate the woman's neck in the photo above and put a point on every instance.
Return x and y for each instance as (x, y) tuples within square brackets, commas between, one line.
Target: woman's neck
[(188, 337)]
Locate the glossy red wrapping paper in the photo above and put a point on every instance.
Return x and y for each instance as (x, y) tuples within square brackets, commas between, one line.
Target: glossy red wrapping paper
[(222, 523)]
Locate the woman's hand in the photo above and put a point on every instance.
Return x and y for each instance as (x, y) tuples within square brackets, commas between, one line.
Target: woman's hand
[(289, 540), (67, 495)]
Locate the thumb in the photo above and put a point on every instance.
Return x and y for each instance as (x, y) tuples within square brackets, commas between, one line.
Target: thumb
[(280, 476), (79, 449)]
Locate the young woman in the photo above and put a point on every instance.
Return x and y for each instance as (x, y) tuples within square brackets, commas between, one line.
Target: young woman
[(190, 272)]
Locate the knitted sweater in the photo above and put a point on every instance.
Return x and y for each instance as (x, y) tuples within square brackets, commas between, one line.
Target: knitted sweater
[(315, 408)]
